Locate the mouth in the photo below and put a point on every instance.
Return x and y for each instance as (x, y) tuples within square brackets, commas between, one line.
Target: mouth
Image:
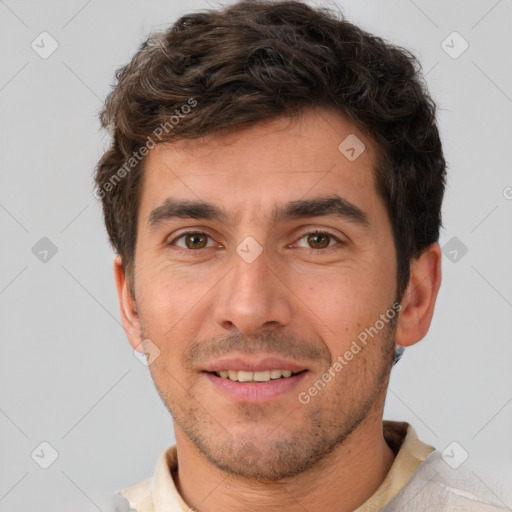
[(262, 386), (256, 377)]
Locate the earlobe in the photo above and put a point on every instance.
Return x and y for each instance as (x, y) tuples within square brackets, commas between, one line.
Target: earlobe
[(420, 297), (127, 305)]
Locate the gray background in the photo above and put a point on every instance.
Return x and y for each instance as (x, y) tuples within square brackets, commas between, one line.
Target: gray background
[(68, 375)]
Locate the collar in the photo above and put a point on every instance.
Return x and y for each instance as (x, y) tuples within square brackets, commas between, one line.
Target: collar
[(159, 493)]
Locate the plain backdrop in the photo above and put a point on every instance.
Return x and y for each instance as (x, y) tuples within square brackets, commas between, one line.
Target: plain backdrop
[(68, 375)]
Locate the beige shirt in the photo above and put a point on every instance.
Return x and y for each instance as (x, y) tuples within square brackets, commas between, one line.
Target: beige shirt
[(159, 493)]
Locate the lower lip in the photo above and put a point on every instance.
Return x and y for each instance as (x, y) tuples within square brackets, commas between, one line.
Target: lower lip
[(255, 391)]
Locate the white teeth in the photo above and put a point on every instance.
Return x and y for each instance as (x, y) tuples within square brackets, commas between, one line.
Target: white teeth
[(244, 376), (260, 376)]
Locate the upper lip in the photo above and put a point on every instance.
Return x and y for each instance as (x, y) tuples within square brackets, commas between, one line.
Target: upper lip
[(252, 364)]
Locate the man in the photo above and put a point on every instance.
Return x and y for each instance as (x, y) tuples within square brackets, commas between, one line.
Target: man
[(273, 193)]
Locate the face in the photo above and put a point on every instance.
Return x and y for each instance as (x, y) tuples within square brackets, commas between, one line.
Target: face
[(259, 254)]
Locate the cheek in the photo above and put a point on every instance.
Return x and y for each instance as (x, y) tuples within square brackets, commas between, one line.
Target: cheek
[(346, 305), (170, 305), (157, 299)]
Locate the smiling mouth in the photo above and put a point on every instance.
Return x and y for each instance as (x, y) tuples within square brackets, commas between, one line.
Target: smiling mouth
[(255, 377)]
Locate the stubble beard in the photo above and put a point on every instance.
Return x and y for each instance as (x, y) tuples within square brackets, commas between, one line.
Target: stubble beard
[(328, 420)]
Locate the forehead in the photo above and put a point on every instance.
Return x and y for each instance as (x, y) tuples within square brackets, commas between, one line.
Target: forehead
[(253, 170)]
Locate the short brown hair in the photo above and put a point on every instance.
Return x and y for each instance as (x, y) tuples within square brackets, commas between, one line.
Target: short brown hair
[(258, 59)]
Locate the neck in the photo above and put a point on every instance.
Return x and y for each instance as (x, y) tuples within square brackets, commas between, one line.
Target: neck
[(340, 482)]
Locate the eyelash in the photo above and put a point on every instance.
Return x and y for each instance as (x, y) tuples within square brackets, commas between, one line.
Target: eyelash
[(314, 232)]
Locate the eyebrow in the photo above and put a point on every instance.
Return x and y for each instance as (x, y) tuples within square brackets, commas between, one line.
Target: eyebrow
[(332, 206)]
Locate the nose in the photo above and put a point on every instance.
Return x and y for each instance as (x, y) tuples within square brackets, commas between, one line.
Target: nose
[(253, 297)]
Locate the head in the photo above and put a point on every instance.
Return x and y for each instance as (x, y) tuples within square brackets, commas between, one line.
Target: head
[(302, 155)]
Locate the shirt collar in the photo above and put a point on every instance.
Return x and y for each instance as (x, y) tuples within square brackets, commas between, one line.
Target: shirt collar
[(159, 494)]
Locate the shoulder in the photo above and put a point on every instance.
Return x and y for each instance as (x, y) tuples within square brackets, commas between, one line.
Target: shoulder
[(434, 485), (139, 496)]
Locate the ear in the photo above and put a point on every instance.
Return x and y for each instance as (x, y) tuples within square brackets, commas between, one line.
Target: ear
[(420, 297), (129, 315)]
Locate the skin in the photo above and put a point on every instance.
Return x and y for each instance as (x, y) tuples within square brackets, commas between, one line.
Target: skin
[(295, 300)]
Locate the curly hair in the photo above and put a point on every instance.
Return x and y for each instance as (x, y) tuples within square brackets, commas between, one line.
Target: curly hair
[(258, 59)]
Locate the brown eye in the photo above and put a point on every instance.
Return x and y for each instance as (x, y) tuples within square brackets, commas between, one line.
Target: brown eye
[(319, 240), (191, 240), (195, 240)]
